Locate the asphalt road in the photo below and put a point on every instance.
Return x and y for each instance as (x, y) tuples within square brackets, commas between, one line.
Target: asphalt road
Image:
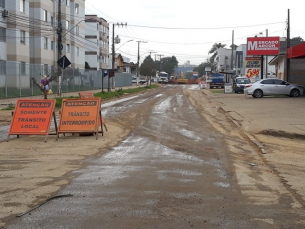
[(174, 170)]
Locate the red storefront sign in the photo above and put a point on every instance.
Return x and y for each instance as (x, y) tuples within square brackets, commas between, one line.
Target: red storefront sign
[(263, 46)]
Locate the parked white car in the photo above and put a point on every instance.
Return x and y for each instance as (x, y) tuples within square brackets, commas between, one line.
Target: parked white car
[(140, 81), (273, 87)]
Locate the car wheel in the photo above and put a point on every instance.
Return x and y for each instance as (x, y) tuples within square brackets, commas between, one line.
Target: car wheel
[(295, 93), (258, 94)]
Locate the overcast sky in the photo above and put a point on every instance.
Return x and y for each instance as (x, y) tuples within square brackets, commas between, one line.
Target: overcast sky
[(188, 29)]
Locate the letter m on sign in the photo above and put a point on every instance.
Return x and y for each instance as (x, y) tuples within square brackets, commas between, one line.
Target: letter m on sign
[(252, 46)]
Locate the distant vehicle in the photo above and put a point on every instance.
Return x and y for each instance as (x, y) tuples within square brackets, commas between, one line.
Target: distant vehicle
[(140, 81), (163, 77), (217, 80), (240, 83), (273, 87)]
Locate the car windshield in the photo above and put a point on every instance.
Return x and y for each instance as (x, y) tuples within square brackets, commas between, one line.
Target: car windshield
[(242, 81)]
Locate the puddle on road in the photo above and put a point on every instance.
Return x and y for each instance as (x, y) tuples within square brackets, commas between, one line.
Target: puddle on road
[(190, 134), (222, 184)]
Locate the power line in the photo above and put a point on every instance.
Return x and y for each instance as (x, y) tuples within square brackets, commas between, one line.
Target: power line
[(231, 27)]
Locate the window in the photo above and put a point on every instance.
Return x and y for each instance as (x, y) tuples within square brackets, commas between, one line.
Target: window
[(67, 24), (45, 43), (22, 68), (2, 3), (77, 51), (22, 37), (67, 2), (45, 15), (2, 34), (22, 6), (77, 30), (52, 45), (76, 8), (267, 82), (2, 67), (52, 20), (68, 48)]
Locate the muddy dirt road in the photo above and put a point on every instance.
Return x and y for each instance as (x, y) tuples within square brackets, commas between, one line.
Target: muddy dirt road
[(177, 162)]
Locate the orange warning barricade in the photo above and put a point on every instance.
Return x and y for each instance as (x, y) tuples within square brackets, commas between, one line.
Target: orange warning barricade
[(90, 95), (80, 115), (32, 117)]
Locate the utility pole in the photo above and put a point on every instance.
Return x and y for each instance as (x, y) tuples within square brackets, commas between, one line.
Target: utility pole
[(160, 61), (288, 46), (266, 57), (113, 53), (59, 48), (150, 52), (138, 69), (232, 54)]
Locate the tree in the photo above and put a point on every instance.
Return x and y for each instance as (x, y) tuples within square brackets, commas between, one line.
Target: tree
[(297, 39), (214, 52), (147, 67), (201, 68), (169, 64)]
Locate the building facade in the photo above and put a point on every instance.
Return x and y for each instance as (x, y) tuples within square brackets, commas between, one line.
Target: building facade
[(28, 43), (97, 42)]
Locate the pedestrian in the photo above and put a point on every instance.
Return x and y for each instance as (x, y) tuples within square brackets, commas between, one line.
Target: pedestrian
[(45, 84)]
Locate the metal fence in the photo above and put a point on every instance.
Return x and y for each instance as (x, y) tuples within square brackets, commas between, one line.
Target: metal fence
[(15, 80)]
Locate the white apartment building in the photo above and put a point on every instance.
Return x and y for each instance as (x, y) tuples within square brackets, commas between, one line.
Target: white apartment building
[(224, 57), (97, 42), (28, 38)]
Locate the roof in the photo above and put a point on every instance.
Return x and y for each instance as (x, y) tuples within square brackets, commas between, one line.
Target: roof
[(296, 51), (276, 59)]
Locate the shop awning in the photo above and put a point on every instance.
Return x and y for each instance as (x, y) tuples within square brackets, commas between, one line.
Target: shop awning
[(297, 51)]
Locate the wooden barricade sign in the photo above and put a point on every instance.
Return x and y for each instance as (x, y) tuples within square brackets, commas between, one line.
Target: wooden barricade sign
[(32, 117), (79, 115), (90, 95)]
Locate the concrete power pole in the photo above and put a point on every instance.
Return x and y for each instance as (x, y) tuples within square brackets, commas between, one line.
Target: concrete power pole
[(288, 46), (138, 67), (266, 57), (232, 54), (113, 53), (160, 61), (59, 48)]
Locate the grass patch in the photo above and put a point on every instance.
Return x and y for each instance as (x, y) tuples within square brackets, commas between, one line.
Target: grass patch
[(107, 95), (217, 91), (10, 107)]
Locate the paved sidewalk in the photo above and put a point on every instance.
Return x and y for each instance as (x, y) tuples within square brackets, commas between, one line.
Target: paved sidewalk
[(280, 116)]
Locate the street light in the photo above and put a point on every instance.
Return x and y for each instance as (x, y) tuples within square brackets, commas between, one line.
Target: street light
[(122, 45)]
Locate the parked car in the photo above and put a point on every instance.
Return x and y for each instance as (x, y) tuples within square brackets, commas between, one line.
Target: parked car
[(140, 81), (273, 87), (240, 83)]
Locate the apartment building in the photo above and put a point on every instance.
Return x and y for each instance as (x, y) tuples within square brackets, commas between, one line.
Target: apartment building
[(28, 38), (97, 42)]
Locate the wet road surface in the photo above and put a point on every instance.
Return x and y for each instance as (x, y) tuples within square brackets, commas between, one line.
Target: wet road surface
[(173, 171)]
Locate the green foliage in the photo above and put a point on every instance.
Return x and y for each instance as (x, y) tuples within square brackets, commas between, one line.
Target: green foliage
[(297, 39), (214, 53), (10, 107), (147, 67), (169, 64), (189, 75), (201, 68)]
